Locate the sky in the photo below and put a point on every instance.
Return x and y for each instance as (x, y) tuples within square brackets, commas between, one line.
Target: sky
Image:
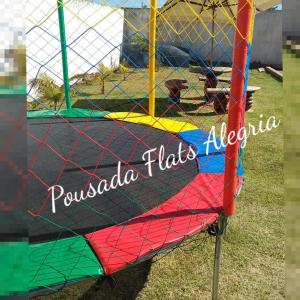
[(140, 3)]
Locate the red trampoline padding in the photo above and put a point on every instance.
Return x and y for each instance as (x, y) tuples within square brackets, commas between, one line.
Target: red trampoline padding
[(190, 211)]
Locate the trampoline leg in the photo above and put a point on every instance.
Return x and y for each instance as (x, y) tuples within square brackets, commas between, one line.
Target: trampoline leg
[(221, 227)]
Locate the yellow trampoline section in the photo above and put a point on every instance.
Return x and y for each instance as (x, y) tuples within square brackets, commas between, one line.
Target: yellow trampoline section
[(164, 124)]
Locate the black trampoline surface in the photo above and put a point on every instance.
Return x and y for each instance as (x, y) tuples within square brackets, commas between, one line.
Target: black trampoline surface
[(13, 168), (76, 152)]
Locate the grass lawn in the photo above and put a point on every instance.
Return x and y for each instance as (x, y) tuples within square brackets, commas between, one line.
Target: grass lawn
[(254, 248), (292, 170)]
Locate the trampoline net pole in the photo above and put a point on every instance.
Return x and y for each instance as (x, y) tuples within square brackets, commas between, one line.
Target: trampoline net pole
[(239, 84), (221, 227), (152, 60), (62, 32)]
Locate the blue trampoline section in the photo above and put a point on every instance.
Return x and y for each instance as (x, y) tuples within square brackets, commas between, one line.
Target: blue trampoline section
[(211, 161)]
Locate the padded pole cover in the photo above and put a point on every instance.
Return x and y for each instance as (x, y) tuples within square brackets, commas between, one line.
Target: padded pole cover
[(236, 103)]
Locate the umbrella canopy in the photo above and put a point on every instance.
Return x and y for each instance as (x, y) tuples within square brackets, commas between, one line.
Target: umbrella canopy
[(224, 10), (214, 15)]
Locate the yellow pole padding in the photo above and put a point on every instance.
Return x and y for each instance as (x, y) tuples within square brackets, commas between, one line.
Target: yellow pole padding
[(152, 41)]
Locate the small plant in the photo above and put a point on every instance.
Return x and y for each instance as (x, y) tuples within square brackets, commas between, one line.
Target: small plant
[(47, 90), (104, 73), (32, 105), (123, 68)]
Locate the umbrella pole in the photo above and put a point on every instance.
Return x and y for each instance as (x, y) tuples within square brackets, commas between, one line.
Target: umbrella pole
[(213, 38)]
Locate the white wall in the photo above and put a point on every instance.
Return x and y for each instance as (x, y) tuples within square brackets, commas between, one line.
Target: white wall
[(87, 47)]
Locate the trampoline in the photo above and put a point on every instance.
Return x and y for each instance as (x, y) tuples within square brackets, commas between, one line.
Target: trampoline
[(118, 177), (134, 222)]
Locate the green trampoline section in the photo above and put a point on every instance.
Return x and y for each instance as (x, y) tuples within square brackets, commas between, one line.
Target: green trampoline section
[(60, 262), (14, 271), (67, 113)]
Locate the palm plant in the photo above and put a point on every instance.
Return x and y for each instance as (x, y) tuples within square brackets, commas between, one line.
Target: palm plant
[(47, 90), (104, 73), (123, 69)]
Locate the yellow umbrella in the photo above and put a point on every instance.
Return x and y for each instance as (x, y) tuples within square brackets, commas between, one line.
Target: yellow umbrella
[(223, 9)]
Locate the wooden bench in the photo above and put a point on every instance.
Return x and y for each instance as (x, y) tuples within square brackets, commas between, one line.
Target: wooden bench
[(277, 74), (212, 82), (224, 80), (175, 86), (220, 97)]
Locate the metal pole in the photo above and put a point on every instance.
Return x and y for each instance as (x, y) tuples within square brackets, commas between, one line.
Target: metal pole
[(217, 261), (152, 41), (64, 56), (242, 44)]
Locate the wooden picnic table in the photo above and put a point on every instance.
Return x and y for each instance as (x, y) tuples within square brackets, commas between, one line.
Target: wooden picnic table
[(220, 97), (211, 74)]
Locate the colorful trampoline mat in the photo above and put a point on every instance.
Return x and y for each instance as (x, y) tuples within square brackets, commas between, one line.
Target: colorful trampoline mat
[(111, 231)]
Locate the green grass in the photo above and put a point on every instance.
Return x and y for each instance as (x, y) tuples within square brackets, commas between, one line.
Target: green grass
[(292, 170), (254, 248)]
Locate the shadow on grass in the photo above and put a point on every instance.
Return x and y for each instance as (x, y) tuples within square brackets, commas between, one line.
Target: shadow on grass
[(128, 284), (163, 107)]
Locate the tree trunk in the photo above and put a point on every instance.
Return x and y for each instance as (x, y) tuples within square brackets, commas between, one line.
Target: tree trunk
[(103, 88)]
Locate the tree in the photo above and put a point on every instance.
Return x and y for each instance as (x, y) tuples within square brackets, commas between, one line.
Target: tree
[(140, 42)]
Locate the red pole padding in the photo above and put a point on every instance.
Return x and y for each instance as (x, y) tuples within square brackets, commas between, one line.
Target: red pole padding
[(236, 101)]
